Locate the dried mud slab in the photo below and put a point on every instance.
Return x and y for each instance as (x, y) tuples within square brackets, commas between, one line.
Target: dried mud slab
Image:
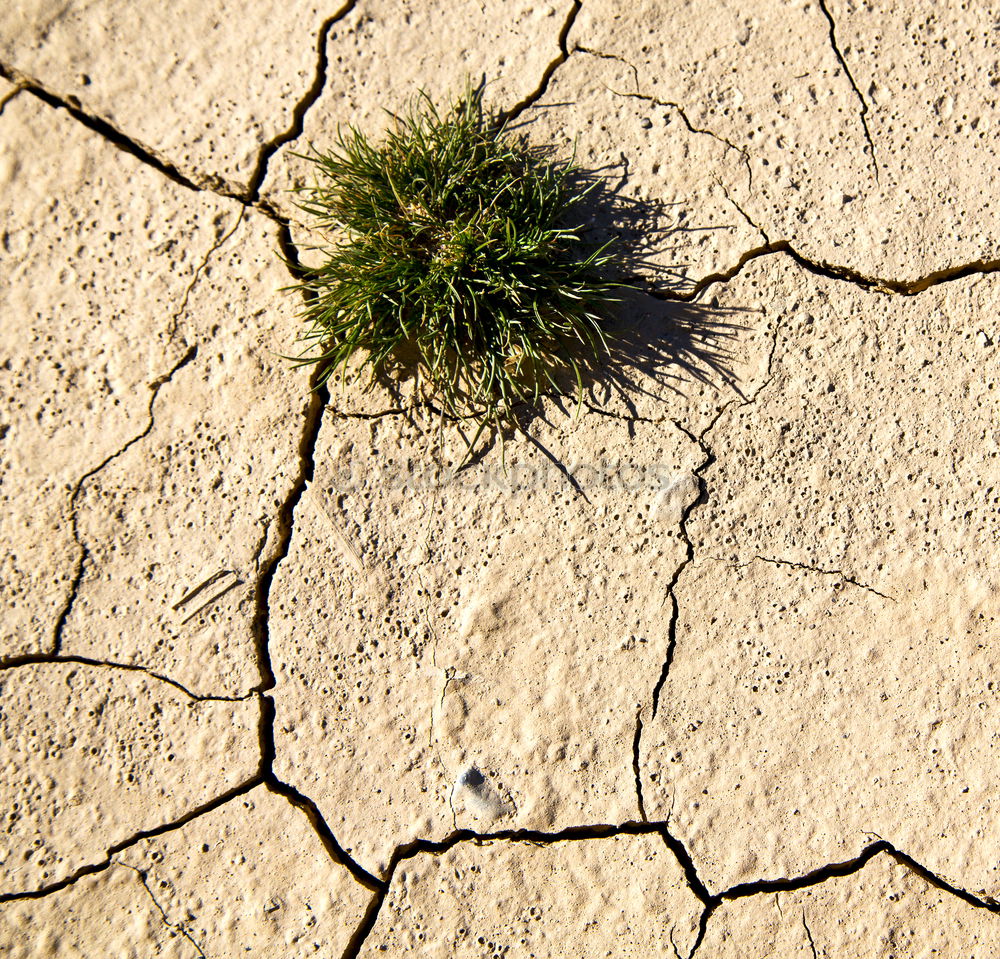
[(195, 500), (252, 877), (930, 78), (883, 911), (874, 449), (423, 629), (176, 79), (834, 676), (666, 193), (91, 756), (108, 914), (770, 80), (383, 53), (98, 251), (619, 896), (765, 79)]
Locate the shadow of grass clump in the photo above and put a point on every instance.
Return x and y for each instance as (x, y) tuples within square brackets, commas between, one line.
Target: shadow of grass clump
[(490, 273)]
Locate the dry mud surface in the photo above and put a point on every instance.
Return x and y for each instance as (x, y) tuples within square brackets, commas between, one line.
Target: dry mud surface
[(707, 668)]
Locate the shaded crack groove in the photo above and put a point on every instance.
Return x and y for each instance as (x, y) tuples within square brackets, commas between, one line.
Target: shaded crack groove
[(851, 866), (9, 95), (809, 935), (821, 571), (301, 108), (381, 414), (74, 522), (143, 875), (334, 849), (119, 138), (621, 417), (637, 765), (507, 116), (683, 857), (832, 272), (284, 521), (298, 799), (835, 871), (987, 903), (32, 659), (91, 869), (438, 847), (854, 86), (677, 952), (812, 878), (673, 105), (671, 625), (703, 926), (74, 586)]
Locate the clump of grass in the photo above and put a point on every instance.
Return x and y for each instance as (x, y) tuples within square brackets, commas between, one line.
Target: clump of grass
[(458, 249)]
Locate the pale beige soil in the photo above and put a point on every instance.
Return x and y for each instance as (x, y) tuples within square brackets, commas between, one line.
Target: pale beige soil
[(706, 667)]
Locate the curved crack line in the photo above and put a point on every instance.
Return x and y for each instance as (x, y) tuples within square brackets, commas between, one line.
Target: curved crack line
[(284, 524), (854, 86), (814, 569), (709, 458), (78, 487), (35, 659), (155, 387), (115, 848), (809, 935), (326, 836), (830, 271), (301, 108), (300, 800), (977, 902), (199, 269), (671, 104), (9, 95), (534, 837), (838, 870), (849, 867), (143, 876), (680, 851), (104, 128), (507, 116)]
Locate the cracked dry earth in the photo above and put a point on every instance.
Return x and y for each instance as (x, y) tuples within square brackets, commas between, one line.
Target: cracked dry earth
[(708, 668)]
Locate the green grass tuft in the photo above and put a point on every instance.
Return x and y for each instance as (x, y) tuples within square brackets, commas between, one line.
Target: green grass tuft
[(456, 251)]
